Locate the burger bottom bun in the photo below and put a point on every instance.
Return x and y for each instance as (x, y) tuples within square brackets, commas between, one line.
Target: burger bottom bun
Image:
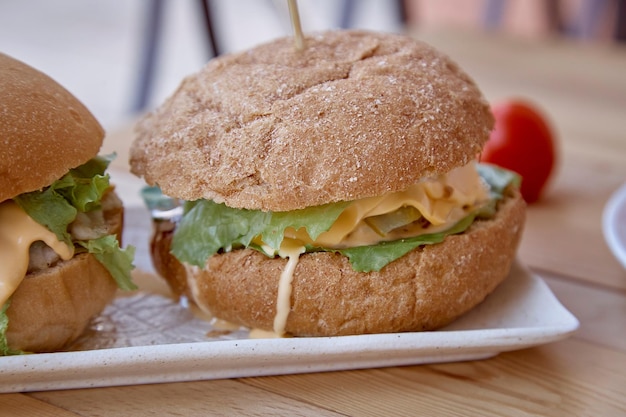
[(424, 290), (51, 308)]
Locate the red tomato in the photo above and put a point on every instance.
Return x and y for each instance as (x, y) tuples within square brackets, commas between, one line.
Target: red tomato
[(522, 141)]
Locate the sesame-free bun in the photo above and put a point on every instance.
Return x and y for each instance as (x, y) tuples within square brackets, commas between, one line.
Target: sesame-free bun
[(355, 114), (51, 308), (424, 290), (44, 129)]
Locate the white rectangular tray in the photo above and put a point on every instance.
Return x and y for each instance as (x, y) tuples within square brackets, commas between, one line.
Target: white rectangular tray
[(522, 312), (147, 337)]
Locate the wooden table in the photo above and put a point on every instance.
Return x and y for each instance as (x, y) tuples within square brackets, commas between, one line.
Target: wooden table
[(583, 89)]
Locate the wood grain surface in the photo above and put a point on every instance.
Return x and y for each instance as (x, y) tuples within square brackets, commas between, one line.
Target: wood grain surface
[(583, 90)]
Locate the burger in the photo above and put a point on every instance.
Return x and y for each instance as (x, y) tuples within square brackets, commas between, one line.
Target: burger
[(331, 190), (60, 219)]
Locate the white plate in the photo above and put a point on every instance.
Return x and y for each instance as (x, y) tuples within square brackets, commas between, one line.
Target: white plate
[(614, 224), (146, 337), (522, 312)]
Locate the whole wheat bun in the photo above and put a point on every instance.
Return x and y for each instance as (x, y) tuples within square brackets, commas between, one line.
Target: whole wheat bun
[(424, 290), (355, 114), (44, 129), (51, 308)]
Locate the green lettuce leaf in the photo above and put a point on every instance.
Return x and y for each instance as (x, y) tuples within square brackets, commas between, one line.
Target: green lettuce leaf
[(80, 190), (56, 206), (5, 350), (316, 220), (207, 227), (50, 209), (375, 257), (498, 179), (118, 261)]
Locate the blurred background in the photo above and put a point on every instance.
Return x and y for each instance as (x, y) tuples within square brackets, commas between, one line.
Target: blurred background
[(123, 57)]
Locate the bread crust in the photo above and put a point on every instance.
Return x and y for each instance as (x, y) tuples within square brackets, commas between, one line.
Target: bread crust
[(424, 290), (51, 308), (42, 125), (274, 128)]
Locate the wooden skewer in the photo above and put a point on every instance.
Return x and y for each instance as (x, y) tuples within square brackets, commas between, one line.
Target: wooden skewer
[(295, 21)]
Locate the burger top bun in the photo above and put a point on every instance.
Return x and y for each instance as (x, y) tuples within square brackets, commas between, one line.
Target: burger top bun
[(44, 130), (355, 114)]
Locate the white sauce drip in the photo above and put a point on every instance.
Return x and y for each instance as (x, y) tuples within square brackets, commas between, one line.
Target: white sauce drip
[(291, 250)]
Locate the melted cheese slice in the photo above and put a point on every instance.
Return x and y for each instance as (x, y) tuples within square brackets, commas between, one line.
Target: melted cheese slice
[(17, 232), (443, 201)]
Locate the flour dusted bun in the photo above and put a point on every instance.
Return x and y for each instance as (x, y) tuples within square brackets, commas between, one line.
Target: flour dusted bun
[(424, 290), (40, 117), (52, 307), (274, 128), (354, 115)]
